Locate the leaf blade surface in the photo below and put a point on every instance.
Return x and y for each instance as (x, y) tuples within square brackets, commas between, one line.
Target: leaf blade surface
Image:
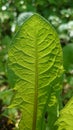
[(36, 59), (65, 120)]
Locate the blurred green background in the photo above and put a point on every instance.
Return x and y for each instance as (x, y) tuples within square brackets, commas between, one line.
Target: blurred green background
[(12, 14)]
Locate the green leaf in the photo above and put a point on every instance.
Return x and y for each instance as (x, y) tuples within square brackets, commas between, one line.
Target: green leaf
[(6, 96), (22, 17), (68, 57), (65, 121), (35, 57), (53, 111), (55, 103)]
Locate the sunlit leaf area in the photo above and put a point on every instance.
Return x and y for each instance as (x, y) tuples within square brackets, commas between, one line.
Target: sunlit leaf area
[(13, 15)]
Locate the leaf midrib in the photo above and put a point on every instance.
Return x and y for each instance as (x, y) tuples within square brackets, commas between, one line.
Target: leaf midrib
[(36, 88)]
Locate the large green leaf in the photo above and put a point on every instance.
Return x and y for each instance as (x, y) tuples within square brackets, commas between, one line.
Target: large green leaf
[(65, 121), (35, 57)]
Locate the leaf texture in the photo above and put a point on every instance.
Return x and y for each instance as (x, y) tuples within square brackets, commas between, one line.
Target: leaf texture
[(35, 57), (65, 121)]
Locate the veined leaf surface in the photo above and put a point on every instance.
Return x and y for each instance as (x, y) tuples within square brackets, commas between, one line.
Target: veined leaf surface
[(35, 57), (65, 121)]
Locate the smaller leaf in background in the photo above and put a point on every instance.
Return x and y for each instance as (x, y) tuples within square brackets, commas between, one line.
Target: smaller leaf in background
[(68, 57), (55, 103), (52, 112), (71, 81), (6, 96), (65, 120), (22, 17)]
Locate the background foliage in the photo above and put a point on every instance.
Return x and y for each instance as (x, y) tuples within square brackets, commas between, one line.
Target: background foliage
[(60, 15)]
